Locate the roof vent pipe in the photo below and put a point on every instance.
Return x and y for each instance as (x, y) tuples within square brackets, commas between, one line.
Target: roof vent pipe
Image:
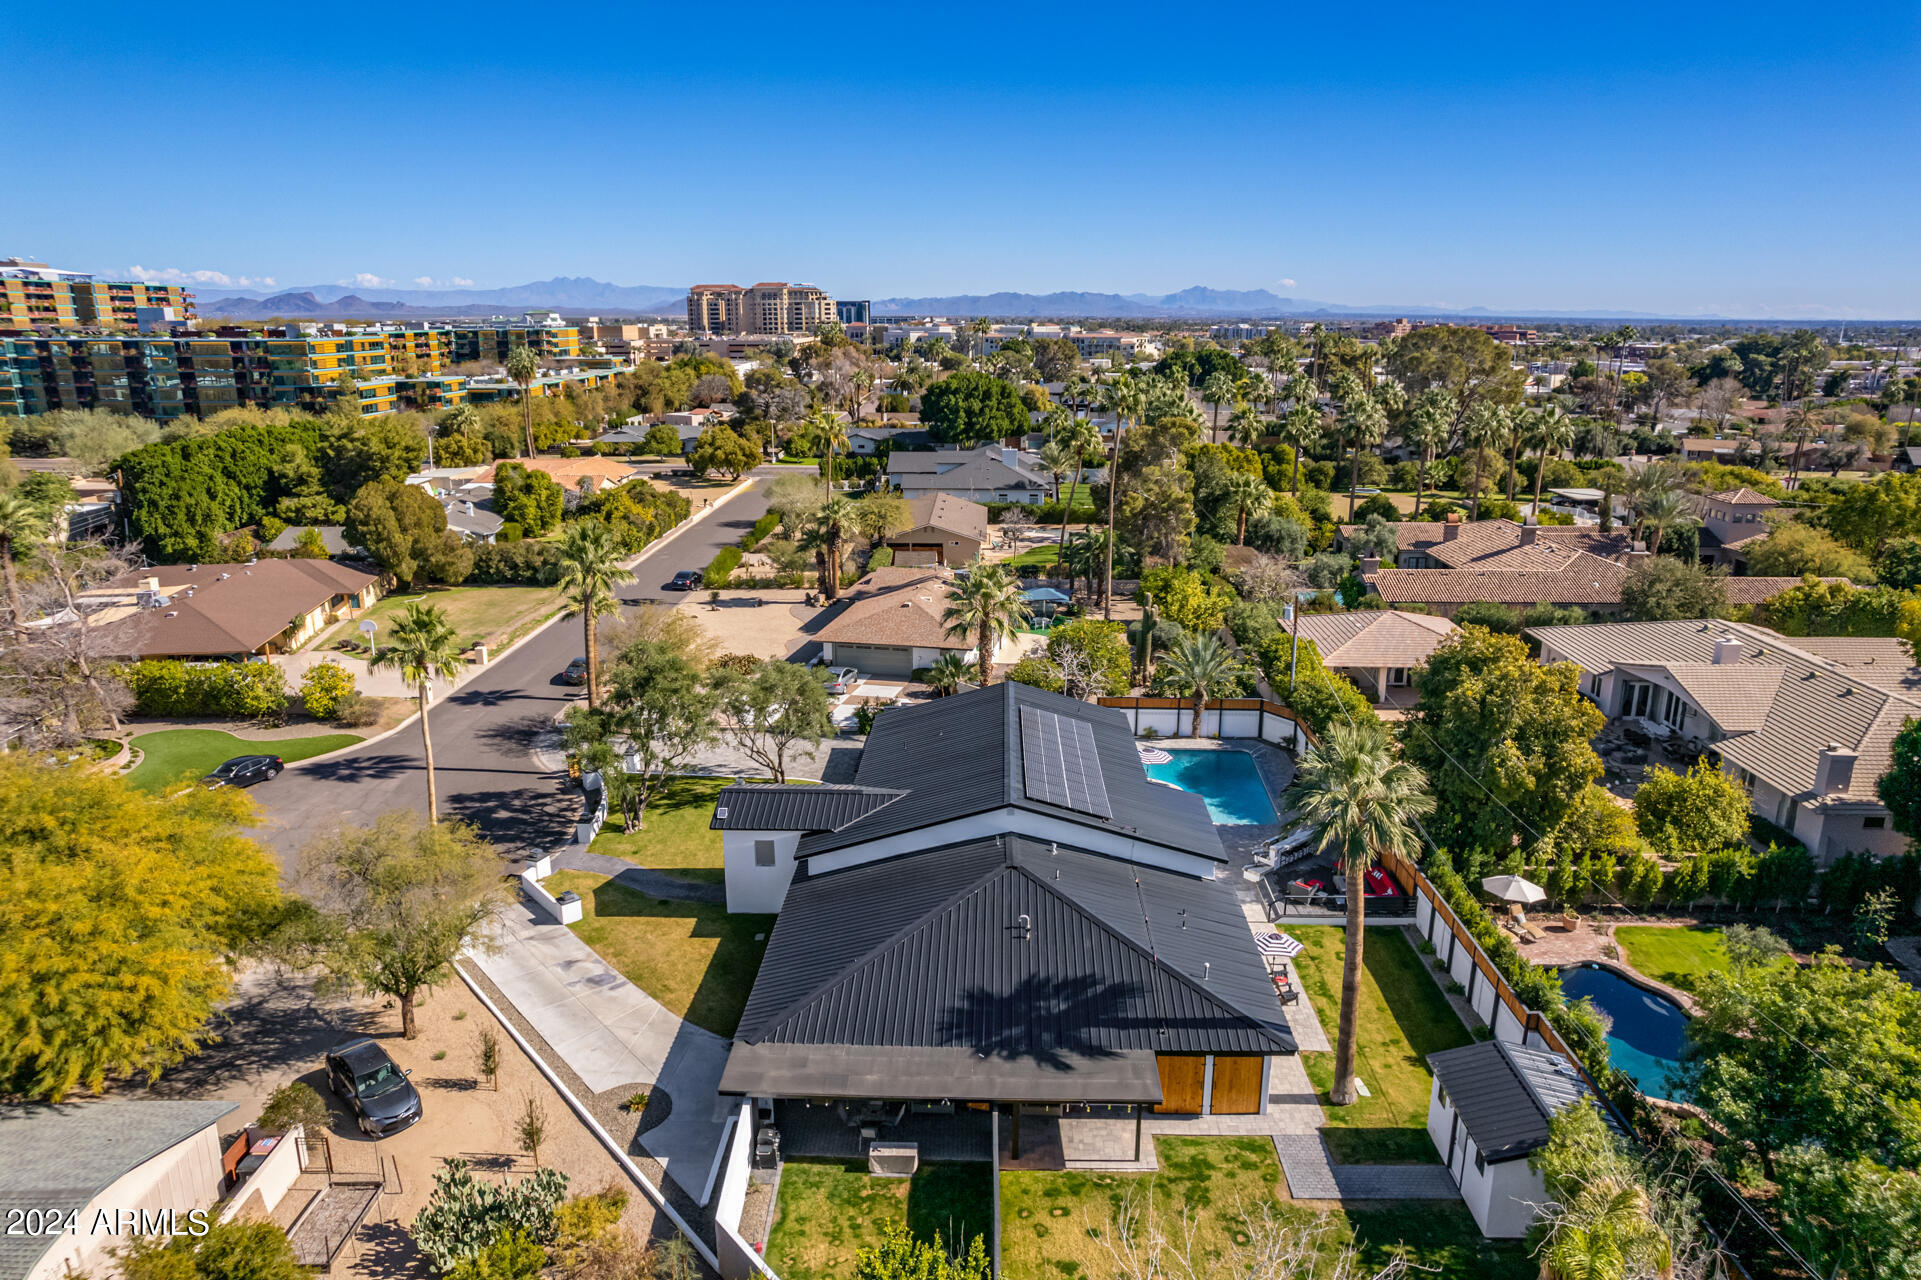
[(1026, 924), (1207, 970)]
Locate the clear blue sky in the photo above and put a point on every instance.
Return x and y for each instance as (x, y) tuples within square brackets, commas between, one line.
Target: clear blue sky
[(1738, 158)]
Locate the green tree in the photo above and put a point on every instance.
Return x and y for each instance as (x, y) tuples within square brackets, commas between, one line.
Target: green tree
[(1467, 364), (1504, 739), (662, 441), (900, 1256), (1794, 549), (826, 536), (1200, 663), (1693, 812), (1602, 1221), (21, 524), (523, 366), (722, 449), (969, 409), (1663, 589), (1249, 496), (1900, 564), (293, 1104), (1551, 430), (1853, 1218), (988, 606), (237, 1250), (1900, 787), (1366, 800), (1320, 697), (1485, 427), (1102, 650), (774, 709), (589, 568), (423, 646), (1429, 426), (658, 710), (1217, 389), (405, 530), (531, 499), (396, 903), (1870, 515), (948, 673), (120, 909)]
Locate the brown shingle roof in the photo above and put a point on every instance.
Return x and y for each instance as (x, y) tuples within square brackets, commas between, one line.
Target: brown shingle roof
[(1744, 496), (1745, 590), (234, 608), (895, 607), (948, 513)]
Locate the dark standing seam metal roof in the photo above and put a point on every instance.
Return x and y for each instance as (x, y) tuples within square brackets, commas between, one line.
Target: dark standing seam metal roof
[(1505, 1094), (962, 755), (768, 806), (925, 952)]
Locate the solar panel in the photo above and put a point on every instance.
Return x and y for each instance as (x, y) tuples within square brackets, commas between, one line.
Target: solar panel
[(1059, 765)]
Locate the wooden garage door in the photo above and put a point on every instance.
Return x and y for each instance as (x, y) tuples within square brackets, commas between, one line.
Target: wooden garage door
[(1182, 1080), (1237, 1086)]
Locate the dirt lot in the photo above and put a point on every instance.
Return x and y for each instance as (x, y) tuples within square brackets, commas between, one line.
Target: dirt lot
[(771, 629)]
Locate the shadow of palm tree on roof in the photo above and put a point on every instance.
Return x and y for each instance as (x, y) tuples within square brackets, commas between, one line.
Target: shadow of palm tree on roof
[(1049, 1022)]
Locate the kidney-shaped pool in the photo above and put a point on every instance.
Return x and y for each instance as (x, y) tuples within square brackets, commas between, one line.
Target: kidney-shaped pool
[(1649, 1030)]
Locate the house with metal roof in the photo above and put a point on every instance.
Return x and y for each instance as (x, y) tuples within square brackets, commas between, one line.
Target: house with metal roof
[(113, 1168), (1001, 909), (1487, 1112), (1806, 723)]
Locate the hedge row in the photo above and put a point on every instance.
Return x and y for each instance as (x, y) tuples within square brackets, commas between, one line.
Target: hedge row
[(238, 690), (532, 563), (722, 567), (758, 534)]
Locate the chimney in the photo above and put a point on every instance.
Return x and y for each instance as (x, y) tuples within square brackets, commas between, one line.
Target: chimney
[(151, 584), (1726, 650), (1835, 773), (1370, 563), (1452, 529), (1529, 533), (470, 506)]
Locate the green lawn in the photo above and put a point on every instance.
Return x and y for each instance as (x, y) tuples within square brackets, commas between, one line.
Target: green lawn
[(693, 957), (1674, 955), (495, 615), (1053, 1225), (829, 1209), (1403, 1018), (1043, 556), (676, 839), (173, 754)]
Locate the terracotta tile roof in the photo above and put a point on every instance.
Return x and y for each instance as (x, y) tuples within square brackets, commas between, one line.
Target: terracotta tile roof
[(1746, 590), (566, 472), (895, 607), (1583, 579), (1497, 544), (1375, 637), (1744, 497)]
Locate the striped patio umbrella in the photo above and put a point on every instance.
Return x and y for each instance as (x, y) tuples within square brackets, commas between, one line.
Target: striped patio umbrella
[(1276, 944)]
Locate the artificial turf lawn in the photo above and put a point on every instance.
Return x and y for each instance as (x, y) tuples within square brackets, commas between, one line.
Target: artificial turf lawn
[(693, 957), (1673, 954), (1053, 1225), (1403, 1018), (169, 755), (830, 1209)]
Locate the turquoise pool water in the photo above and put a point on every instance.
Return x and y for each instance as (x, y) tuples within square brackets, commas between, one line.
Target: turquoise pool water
[(1649, 1030), (1227, 780)]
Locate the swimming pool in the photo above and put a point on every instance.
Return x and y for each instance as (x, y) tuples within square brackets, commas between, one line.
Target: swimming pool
[(1226, 780), (1649, 1030)]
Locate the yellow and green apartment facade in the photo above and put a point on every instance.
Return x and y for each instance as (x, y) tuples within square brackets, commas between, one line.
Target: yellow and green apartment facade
[(34, 301), (171, 377)]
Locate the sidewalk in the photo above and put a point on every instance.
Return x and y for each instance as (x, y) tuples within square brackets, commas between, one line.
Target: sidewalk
[(613, 1035)]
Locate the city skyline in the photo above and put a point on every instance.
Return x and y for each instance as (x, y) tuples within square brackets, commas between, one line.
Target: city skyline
[(1521, 161)]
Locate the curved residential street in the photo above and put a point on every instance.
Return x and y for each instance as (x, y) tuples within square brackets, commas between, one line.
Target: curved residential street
[(487, 734)]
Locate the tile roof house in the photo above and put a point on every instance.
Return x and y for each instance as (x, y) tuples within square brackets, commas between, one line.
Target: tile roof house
[(1002, 909), (1376, 648), (1731, 521), (601, 473), (942, 530), (1570, 578), (228, 611), (1487, 1111), (889, 624), (1496, 544), (992, 473), (1807, 725), (94, 1159)]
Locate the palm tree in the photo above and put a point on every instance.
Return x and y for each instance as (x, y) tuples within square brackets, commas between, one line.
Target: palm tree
[(1663, 508), (589, 568), (20, 522), (1485, 428), (1218, 389), (1365, 800), (1426, 431), (1803, 420), (825, 433), (1056, 461), (1299, 430), (423, 644), (986, 605), (1201, 662), (1079, 438), (1246, 426), (826, 532), (1608, 1232), (1553, 431), (1251, 497), (523, 366), (1083, 556), (1364, 423), (1125, 400), (859, 382), (947, 673)]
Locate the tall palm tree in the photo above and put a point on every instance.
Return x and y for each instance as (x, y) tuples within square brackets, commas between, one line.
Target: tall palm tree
[(826, 433), (1246, 426), (1124, 399), (1803, 420), (1079, 438), (1300, 429), (423, 644), (1365, 799), (1552, 431), (1083, 556), (859, 383), (1251, 497), (1661, 509), (1202, 663), (825, 535), (1218, 389), (1364, 424), (1426, 431), (1486, 427), (986, 605), (20, 523), (589, 568), (523, 366), (1057, 462)]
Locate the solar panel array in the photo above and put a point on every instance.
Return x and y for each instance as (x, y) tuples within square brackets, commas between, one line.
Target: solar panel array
[(1059, 765)]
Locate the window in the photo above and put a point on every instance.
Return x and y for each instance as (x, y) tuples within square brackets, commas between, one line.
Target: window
[(1875, 823), (763, 853), (1442, 1093), (1480, 1162), (1397, 677)]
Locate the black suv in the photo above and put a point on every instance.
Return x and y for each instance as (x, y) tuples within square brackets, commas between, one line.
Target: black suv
[(686, 580), (373, 1086), (243, 771)]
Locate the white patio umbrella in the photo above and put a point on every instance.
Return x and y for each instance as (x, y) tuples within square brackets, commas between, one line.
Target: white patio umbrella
[(1515, 889), (1276, 944), (1153, 755)]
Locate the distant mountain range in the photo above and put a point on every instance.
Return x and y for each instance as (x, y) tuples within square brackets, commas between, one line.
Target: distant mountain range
[(1202, 303), (576, 294)]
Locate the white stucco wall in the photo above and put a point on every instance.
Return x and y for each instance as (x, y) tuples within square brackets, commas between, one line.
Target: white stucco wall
[(753, 888), (1500, 1196)]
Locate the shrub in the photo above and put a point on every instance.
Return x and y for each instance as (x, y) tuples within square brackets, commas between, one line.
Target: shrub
[(463, 1216), (762, 527), (239, 690), (523, 562), (295, 1103), (510, 532), (356, 712), (323, 687), (722, 567), (1038, 672)]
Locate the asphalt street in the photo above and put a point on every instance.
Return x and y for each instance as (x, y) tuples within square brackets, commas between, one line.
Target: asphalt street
[(486, 733)]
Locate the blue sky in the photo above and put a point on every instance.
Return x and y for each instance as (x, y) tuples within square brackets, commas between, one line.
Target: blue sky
[(1746, 159)]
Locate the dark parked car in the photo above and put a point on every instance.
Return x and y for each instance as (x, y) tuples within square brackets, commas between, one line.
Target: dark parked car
[(243, 771), (576, 672), (373, 1086), (686, 580)]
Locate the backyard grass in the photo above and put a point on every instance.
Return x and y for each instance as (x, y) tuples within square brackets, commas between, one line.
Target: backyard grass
[(676, 839), (1054, 1225), (1674, 955), (490, 615), (171, 754), (830, 1209), (693, 957), (1043, 556), (1403, 1018)]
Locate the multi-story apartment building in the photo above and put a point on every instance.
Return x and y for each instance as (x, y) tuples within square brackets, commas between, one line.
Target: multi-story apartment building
[(34, 295), (493, 342), (861, 312), (769, 308)]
